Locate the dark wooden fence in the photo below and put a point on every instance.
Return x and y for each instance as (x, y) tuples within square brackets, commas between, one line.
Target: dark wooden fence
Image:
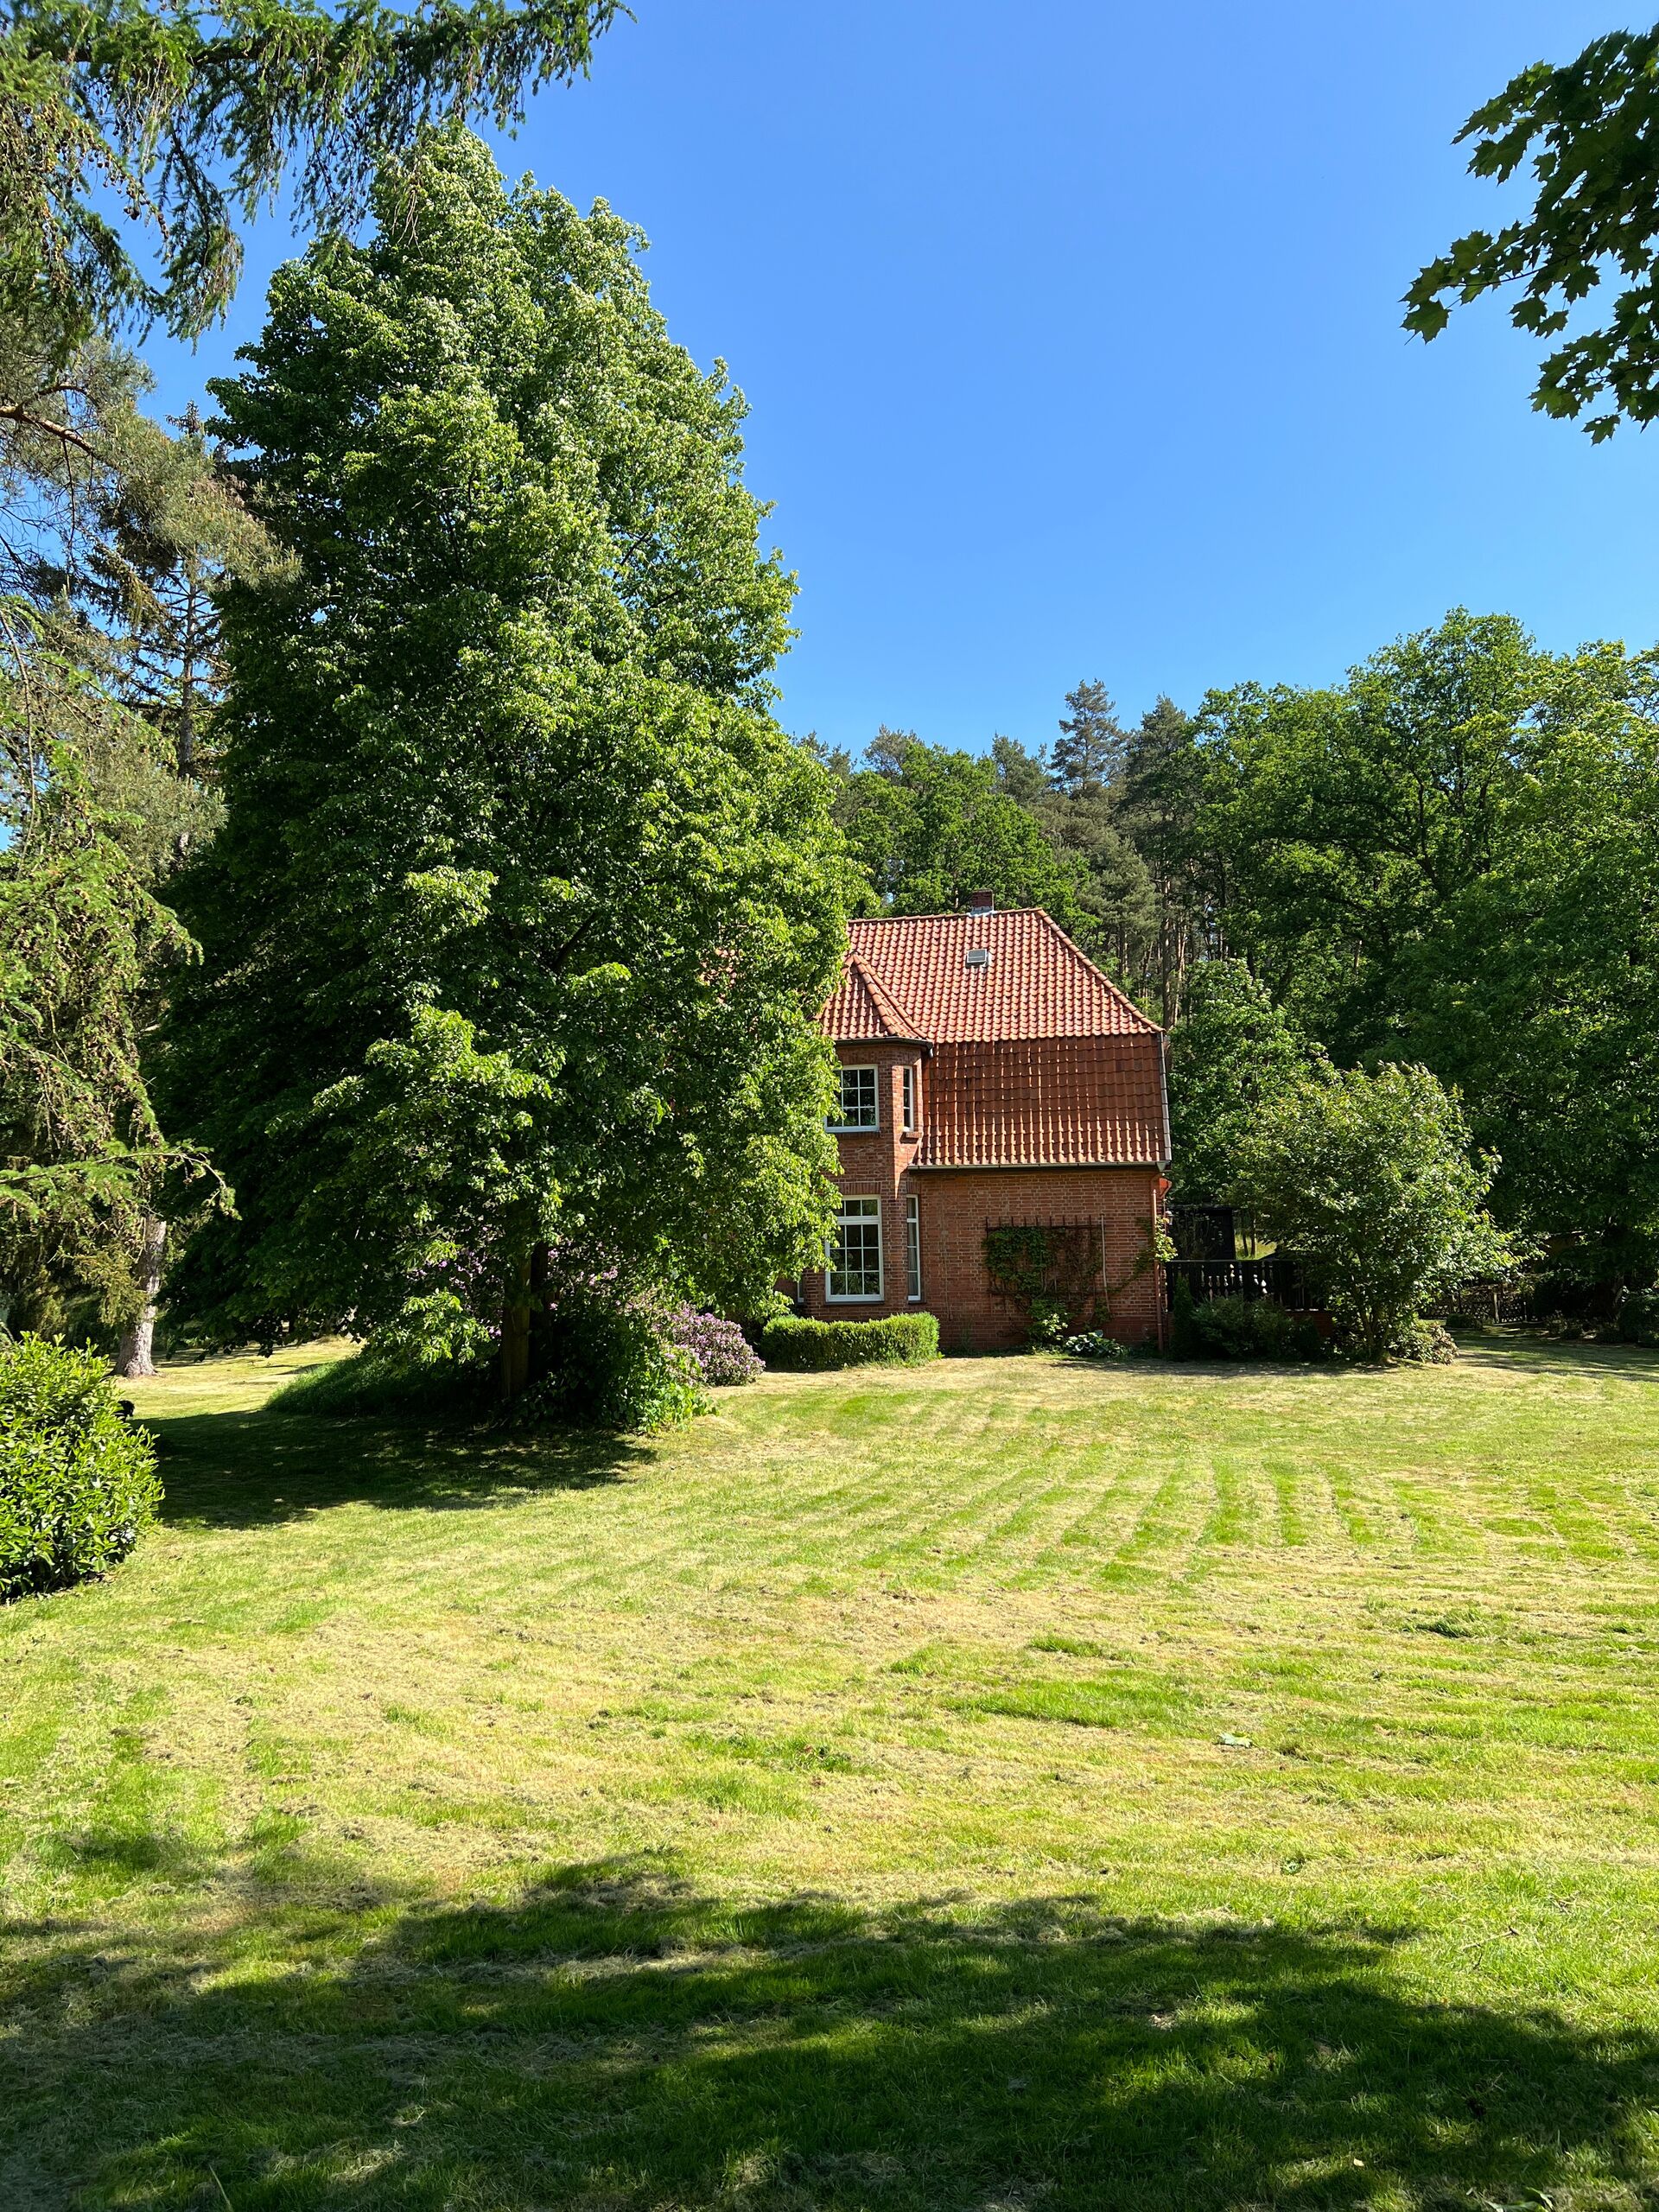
[(1284, 1282)]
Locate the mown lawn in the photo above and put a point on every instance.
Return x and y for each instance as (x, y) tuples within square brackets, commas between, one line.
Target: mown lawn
[(994, 1786)]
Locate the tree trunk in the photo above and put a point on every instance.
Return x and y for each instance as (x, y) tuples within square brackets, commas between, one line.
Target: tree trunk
[(137, 1354), (515, 1336)]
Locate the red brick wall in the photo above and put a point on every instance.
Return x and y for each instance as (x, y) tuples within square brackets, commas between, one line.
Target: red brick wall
[(958, 1205)]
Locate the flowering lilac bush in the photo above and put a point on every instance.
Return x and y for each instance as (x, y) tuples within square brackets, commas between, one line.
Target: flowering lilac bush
[(720, 1348)]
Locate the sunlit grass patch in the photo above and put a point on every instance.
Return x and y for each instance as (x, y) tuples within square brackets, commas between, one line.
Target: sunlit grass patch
[(1000, 1784)]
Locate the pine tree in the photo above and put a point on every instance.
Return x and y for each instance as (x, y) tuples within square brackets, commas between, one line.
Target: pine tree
[(1089, 747)]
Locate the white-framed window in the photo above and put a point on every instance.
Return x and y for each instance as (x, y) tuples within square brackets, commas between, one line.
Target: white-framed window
[(858, 1109), (914, 1250), (856, 1253), (909, 1074)]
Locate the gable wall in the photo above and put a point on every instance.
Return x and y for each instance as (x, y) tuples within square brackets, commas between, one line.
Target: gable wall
[(958, 1205)]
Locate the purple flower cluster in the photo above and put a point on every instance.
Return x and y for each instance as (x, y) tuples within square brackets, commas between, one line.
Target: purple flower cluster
[(720, 1348)]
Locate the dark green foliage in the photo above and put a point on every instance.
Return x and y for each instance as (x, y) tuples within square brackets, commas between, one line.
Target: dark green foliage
[(1019, 1257), (1638, 1318), (927, 826), (1022, 775), (77, 1484), (1185, 1343), (189, 120), (1369, 1181), (612, 1362), (1086, 755), (1247, 1328), (1095, 1343), (1456, 853), (607, 1362), (81, 933), (1595, 125), (1350, 821), (1232, 1051), (1429, 1341), (381, 1388), (523, 903), (898, 1340)]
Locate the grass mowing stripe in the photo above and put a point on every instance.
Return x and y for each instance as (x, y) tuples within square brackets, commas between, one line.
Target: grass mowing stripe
[(547, 1826)]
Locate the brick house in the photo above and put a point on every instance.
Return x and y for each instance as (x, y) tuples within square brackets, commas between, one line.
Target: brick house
[(991, 1077)]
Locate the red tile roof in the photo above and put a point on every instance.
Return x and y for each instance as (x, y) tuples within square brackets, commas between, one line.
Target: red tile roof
[(1038, 1059), (861, 1008), (1052, 1102), (1036, 983)]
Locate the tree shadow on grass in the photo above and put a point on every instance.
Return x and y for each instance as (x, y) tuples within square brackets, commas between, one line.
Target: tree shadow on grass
[(1512, 1353), (249, 1470), (616, 2040)]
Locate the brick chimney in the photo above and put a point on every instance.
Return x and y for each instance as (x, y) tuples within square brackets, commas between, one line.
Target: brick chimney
[(980, 902)]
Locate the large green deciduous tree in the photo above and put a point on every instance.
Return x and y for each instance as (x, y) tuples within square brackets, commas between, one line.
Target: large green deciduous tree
[(1595, 125), (928, 825), (1371, 1178), (522, 904), (1448, 857), (1349, 821), (1231, 1054), (1544, 1000)]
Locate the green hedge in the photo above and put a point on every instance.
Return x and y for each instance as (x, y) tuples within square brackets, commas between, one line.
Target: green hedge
[(901, 1340), (77, 1484)]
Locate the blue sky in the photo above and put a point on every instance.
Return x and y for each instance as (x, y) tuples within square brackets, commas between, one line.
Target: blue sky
[(1070, 336)]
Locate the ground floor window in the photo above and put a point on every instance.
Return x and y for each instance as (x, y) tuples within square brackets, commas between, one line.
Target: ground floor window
[(912, 1247), (856, 1253)]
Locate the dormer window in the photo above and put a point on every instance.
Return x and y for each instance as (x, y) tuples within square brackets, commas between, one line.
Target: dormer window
[(857, 1109), (909, 1076)]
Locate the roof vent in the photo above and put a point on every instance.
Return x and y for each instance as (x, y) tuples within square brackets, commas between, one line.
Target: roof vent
[(977, 956), (980, 902)]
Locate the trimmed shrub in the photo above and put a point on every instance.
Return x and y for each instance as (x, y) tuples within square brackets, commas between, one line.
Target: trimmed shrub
[(77, 1484), (1095, 1343), (723, 1353), (900, 1340)]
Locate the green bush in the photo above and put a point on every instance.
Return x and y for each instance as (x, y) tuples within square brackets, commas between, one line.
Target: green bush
[(1048, 1324), (613, 1364), (1431, 1342), (1244, 1328), (1185, 1342), (900, 1340), (77, 1484), (1095, 1343)]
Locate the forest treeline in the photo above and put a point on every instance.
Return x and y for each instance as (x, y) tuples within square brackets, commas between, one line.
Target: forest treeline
[(359, 809), (1451, 859)]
